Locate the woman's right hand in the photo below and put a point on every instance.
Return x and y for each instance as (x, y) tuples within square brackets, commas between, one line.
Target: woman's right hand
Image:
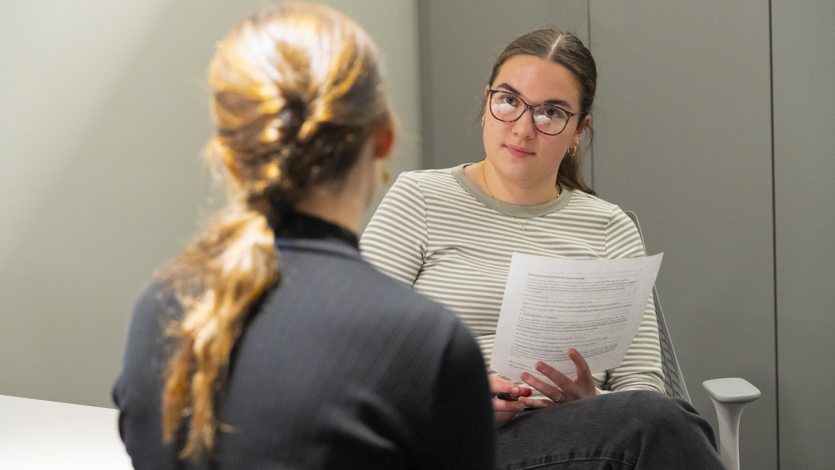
[(565, 390), (503, 410)]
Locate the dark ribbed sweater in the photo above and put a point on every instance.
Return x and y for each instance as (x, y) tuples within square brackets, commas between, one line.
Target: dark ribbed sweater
[(338, 367)]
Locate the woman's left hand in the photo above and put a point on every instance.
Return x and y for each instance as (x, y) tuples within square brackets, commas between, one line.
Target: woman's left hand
[(566, 389)]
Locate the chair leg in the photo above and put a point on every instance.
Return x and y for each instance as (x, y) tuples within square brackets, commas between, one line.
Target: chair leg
[(729, 415)]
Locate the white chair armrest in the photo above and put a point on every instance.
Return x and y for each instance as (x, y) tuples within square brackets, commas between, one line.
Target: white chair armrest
[(729, 397)]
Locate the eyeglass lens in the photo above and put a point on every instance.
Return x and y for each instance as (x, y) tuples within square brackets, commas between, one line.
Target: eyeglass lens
[(509, 107)]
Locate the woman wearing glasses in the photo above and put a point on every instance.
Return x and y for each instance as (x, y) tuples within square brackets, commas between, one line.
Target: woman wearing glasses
[(450, 234)]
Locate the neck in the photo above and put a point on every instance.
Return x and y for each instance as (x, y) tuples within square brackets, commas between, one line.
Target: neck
[(343, 202), (523, 193), (342, 208)]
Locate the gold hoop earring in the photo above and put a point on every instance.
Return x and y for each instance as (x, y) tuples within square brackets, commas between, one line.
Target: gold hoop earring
[(482, 120), (385, 172), (570, 153)]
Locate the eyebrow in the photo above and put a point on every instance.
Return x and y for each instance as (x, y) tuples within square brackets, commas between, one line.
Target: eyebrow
[(561, 103)]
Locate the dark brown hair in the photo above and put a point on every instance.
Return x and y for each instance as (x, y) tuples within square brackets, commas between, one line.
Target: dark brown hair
[(564, 48), (296, 91)]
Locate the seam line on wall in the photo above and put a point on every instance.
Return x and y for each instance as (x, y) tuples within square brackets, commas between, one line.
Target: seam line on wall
[(426, 103), (774, 229)]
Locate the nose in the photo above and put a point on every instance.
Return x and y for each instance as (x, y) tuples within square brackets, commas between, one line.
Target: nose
[(523, 127)]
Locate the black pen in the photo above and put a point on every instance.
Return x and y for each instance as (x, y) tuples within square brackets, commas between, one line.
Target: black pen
[(505, 396)]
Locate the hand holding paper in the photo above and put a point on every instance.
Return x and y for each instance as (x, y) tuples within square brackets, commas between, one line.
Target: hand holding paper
[(551, 305), (565, 390)]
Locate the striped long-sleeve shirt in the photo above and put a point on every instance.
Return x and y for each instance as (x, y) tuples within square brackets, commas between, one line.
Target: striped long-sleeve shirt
[(442, 235)]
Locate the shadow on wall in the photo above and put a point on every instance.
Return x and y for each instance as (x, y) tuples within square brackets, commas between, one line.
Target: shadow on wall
[(104, 180), (113, 213)]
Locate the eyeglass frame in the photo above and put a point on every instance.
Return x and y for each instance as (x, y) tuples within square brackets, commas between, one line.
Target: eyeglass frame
[(527, 107)]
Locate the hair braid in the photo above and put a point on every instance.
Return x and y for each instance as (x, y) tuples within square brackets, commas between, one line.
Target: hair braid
[(237, 259), (296, 92)]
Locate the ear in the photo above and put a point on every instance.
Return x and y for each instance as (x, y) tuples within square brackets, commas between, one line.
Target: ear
[(383, 142), (582, 127)]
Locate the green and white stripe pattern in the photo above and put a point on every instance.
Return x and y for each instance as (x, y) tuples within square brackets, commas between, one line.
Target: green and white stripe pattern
[(441, 234)]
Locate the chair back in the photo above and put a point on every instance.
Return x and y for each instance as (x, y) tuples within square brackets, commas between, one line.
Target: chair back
[(673, 379)]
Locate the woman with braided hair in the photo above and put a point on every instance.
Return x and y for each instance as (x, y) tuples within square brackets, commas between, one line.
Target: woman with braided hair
[(269, 343)]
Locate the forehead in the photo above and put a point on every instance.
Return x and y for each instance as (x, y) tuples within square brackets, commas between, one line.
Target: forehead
[(539, 80)]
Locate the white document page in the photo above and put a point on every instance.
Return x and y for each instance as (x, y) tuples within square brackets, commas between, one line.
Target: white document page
[(551, 305)]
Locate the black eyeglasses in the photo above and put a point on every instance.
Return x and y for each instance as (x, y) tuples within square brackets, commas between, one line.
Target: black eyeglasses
[(509, 107)]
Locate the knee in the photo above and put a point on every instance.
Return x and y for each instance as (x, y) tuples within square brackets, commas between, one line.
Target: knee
[(652, 406), (647, 409), (654, 412)]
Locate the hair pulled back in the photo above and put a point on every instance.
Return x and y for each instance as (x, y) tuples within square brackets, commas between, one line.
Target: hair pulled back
[(564, 48), (296, 92)]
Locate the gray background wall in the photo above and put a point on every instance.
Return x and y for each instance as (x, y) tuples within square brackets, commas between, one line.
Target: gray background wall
[(103, 118), (685, 141), (804, 166), (713, 123)]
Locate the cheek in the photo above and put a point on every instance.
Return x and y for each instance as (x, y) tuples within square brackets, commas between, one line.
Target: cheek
[(489, 135), (557, 150)]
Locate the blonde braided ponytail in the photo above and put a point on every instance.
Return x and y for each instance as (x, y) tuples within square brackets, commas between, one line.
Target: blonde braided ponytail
[(296, 92)]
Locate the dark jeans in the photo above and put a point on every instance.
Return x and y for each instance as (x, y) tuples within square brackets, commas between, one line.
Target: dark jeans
[(616, 431)]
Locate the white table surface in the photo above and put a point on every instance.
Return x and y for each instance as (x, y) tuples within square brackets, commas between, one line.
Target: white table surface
[(39, 434)]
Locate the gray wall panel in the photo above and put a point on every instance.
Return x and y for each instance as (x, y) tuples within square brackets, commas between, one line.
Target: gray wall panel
[(804, 165), (683, 138), (459, 42), (104, 114)]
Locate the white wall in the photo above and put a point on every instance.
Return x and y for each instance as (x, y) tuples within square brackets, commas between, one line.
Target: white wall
[(104, 115)]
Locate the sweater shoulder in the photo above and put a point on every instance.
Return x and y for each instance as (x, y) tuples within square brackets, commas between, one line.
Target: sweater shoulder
[(428, 180), (593, 204)]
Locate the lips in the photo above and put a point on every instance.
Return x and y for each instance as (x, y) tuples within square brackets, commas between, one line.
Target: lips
[(518, 152)]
